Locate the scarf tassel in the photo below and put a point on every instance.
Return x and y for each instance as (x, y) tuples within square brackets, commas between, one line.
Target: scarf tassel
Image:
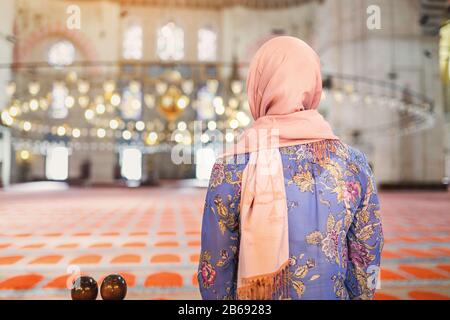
[(274, 286)]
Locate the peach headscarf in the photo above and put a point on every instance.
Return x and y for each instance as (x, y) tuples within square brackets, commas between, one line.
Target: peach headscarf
[(284, 88)]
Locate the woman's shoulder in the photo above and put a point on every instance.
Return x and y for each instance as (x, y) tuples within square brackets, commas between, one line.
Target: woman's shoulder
[(358, 158), (227, 171)]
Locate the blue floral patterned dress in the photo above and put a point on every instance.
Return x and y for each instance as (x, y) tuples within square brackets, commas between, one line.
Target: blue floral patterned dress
[(335, 233)]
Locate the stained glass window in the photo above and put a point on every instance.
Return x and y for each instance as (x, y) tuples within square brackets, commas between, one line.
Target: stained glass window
[(170, 42), (61, 53), (132, 42), (207, 45)]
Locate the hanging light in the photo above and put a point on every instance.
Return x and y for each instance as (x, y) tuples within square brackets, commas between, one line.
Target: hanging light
[(229, 137), (161, 87), (187, 140), (135, 86), (14, 111), (126, 135), (136, 104), (100, 108), (24, 155), (6, 118), (338, 96), (26, 126), (140, 126), (109, 86), (236, 86), (34, 104), (187, 86), (182, 126), (204, 138), (76, 133), (34, 87), (115, 100), (183, 102), (61, 131), (234, 103), (212, 125), (83, 86), (234, 124), (114, 124), (152, 138), (89, 114), (43, 103), (11, 89), (149, 100), (178, 137), (69, 102), (212, 85), (101, 133), (243, 118), (83, 101), (72, 77)]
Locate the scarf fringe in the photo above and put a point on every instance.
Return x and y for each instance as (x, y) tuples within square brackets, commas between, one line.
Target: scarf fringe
[(273, 286)]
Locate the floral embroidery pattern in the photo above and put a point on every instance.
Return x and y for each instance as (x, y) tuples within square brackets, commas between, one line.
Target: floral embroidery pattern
[(206, 270), (335, 235), (329, 242)]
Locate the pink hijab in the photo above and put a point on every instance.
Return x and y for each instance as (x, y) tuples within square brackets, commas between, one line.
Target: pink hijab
[(284, 88)]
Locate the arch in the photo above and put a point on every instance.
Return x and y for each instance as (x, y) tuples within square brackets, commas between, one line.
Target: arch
[(78, 38)]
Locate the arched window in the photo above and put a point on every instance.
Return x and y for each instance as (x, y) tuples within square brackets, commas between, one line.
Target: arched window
[(132, 42), (207, 45), (61, 53), (170, 42)]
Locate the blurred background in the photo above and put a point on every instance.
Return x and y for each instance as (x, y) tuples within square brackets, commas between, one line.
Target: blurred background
[(112, 113)]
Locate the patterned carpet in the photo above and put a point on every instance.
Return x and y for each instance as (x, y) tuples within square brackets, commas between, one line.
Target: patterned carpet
[(151, 236)]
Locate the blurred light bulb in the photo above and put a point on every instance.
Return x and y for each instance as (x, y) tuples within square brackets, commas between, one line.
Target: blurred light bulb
[(152, 138), (34, 87), (6, 118), (212, 125), (83, 101), (182, 126), (183, 102), (236, 86), (229, 137), (89, 114), (187, 86), (24, 155), (83, 86), (126, 135), (61, 131), (115, 99), (149, 100), (204, 138), (114, 124), (100, 108), (101, 133), (14, 111), (26, 126), (243, 118), (234, 124), (11, 89), (34, 104), (161, 87), (109, 86), (76, 133), (69, 101), (135, 86), (140, 126)]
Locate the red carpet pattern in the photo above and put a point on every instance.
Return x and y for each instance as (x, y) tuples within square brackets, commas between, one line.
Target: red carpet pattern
[(152, 238)]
